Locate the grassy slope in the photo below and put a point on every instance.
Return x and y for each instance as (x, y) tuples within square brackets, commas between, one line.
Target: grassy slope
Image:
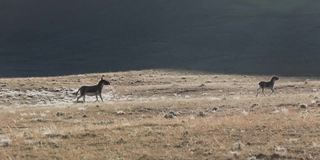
[(267, 126)]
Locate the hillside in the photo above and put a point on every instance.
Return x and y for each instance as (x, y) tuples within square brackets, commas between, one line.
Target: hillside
[(157, 114), (41, 37)]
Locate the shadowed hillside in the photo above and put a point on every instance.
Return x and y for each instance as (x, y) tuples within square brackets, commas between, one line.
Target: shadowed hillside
[(41, 37)]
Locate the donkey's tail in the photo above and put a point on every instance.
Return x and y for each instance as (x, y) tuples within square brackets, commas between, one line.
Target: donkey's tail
[(76, 93)]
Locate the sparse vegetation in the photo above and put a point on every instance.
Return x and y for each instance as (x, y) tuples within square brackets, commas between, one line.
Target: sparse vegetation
[(219, 120)]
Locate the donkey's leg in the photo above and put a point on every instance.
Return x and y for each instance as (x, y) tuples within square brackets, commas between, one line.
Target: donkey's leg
[(272, 91), (97, 99), (101, 97), (258, 91), (79, 98)]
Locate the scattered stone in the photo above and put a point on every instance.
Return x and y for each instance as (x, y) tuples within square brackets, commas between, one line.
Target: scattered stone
[(51, 144), (238, 146), (252, 158), (92, 135), (85, 116), (276, 156), (233, 155), (214, 109), (27, 135), (254, 105), (303, 106), (5, 141), (185, 133), (316, 145), (236, 98), (62, 136), (69, 117), (280, 150), (173, 113), (59, 114), (97, 106), (284, 110), (38, 120), (202, 85), (245, 113), (138, 81), (293, 140), (201, 114), (120, 141), (120, 113), (170, 115), (57, 90), (82, 109), (261, 156), (43, 115)]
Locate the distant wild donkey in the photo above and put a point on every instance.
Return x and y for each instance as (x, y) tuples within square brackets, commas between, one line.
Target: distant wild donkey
[(267, 85), (92, 90)]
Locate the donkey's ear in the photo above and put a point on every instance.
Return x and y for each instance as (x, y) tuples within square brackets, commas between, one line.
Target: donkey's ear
[(102, 77)]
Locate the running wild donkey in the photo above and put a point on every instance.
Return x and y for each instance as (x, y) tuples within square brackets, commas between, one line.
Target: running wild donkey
[(267, 85), (92, 90)]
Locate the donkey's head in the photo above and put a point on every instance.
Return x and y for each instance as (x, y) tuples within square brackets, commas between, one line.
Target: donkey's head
[(104, 82), (275, 78)]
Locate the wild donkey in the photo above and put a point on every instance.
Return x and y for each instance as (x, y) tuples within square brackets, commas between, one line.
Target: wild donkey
[(268, 85), (92, 90)]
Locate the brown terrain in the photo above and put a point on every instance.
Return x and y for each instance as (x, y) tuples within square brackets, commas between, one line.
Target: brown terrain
[(160, 114)]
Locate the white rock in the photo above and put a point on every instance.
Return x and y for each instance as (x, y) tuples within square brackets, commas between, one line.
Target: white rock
[(245, 113), (5, 141), (120, 112), (233, 155), (238, 146), (315, 145), (280, 150), (236, 98), (284, 110), (252, 158)]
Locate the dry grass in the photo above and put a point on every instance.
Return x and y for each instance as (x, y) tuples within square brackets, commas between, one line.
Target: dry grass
[(217, 117)]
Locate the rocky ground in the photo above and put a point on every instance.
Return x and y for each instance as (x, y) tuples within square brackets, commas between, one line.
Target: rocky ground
[(160, 114)]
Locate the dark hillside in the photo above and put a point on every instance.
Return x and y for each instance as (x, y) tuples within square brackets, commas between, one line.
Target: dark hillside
[(43, 37)]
